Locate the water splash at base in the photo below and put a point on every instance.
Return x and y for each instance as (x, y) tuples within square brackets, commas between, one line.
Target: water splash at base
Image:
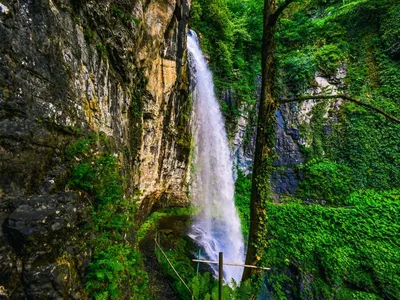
[(217, 228)]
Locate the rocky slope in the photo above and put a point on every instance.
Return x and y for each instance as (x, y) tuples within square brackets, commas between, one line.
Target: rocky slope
[(68, 68)]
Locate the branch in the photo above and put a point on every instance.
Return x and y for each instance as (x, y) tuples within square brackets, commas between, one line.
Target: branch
[(274, 17), (345, 97)]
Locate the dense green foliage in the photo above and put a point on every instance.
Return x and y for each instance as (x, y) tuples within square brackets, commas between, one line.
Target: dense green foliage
[(343, 252), (347, 248), (349, 251), (242, 201), (200, 286), (323, 35), (325, 180), (116, 268)]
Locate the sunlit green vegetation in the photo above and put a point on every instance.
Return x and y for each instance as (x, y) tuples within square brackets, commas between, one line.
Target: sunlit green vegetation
[(116, 269), (343, 252), (202, 285), (348, 247)]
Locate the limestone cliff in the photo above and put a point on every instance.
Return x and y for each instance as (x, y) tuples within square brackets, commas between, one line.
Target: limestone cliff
[(68, 68)]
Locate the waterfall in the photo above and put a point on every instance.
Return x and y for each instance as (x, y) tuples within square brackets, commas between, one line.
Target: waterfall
[(217, 227)]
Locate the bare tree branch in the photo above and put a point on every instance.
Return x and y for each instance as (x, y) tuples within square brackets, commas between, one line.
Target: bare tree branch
[(344, 97)]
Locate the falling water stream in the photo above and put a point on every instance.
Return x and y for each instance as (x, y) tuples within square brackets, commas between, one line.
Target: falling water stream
[(217, 227)]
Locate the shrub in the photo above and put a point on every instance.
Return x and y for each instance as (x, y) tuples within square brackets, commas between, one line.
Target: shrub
[(299, 70), (116, 263), (329, 58), (325, 180)]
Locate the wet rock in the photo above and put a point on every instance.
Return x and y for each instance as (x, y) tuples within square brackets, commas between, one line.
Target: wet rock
[(285, 181), (38, 246), (244, 143), (67, 66)]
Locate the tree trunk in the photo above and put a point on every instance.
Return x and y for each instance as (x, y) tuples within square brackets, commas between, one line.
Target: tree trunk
[(264, 143)]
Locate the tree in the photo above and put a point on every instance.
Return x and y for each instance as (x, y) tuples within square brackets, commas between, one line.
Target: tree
[(265, 133), (265, 141)]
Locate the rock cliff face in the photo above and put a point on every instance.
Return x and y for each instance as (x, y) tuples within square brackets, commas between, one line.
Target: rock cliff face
[(244, 143), (68, 68), (292, 127)]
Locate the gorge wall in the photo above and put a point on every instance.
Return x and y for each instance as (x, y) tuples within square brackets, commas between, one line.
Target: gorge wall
[(68, 69)]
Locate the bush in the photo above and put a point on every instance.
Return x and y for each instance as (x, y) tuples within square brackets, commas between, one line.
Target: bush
[(337, 247), (325, 180), (99, 177), (329, 58), (111, 268), (298, 70), (116, 270)]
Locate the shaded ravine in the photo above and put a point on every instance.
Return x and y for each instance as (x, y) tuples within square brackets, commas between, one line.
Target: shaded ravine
[(217, 228)]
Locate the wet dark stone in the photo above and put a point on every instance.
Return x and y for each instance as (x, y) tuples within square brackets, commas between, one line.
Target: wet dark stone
[(285, 181), (33, 230)]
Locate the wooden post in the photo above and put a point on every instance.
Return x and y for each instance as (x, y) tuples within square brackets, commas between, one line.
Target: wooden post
[(221, 275), (198, 264)]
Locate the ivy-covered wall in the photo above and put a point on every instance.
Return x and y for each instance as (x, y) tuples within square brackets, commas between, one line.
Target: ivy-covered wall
[(322, 38)]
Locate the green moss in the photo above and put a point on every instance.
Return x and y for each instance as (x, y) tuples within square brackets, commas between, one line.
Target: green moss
[(136, 114), (124, 15), (90, 35), (325, 180), (337, 247), (184, 136), (152, 221), (299, 69), (329, 58), (102, 49)]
